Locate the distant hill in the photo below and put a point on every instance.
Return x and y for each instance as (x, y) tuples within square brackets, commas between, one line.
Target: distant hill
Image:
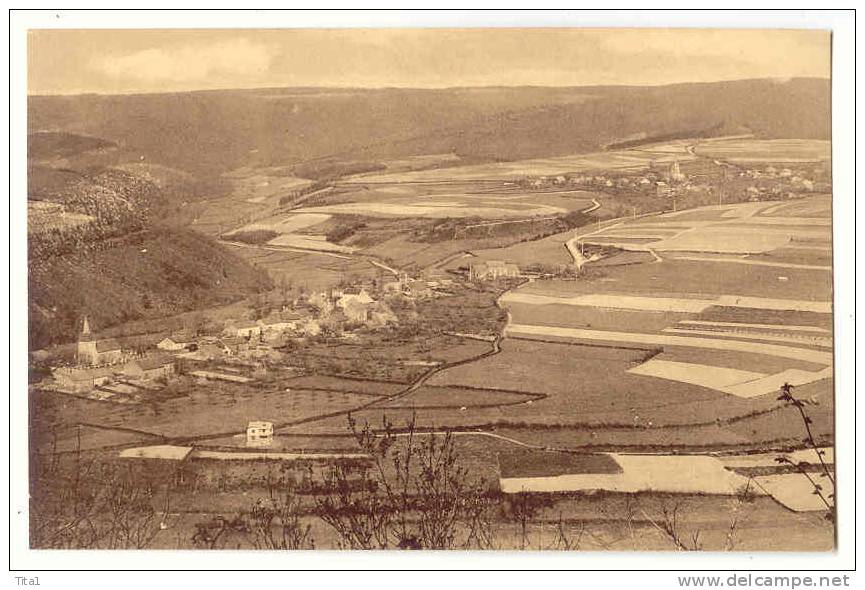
[(103, 242), (215, 131)]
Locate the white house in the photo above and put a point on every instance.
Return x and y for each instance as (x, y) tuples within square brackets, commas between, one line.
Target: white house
[(245, 329), (259, 433)]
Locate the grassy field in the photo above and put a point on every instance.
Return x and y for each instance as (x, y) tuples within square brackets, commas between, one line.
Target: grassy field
[(599, 318), (745, 228), (816, 257), (672, 278), (342, 384), (598, 161), (582, 382), (446, 198), (549, 250), (311, 271), (459, 398), (398, 347), (766, 316), (774, 150), (735, 360), (816, 208)]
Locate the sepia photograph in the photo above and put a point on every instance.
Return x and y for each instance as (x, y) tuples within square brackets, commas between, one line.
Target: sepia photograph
[(532, 289)]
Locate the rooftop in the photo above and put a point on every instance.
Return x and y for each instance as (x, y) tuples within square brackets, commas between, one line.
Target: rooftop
[(259, 424)]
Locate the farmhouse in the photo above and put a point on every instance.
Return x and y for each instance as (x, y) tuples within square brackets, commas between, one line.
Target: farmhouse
[(79, 380), (492, 270), (149, 367), (244, 329)]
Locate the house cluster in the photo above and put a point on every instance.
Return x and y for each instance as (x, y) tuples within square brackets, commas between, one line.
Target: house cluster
[(352, 307), (492, 270), (289, 322), (782, 180), (244, 345), (661, 182)]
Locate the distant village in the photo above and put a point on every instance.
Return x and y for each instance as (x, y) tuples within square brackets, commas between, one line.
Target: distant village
[(757, 183)]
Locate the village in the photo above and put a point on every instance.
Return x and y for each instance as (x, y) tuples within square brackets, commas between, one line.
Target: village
[(690, 178), (241, 350)]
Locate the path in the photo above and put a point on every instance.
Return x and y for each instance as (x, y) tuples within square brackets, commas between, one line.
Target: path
[(594, 207)]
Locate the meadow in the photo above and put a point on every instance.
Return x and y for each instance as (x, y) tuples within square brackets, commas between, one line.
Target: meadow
[(311, 271), (766, 150), (204, 410), (448, 199), (620, 160)]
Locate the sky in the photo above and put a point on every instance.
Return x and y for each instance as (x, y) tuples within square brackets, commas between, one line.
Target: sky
[(171, 60)]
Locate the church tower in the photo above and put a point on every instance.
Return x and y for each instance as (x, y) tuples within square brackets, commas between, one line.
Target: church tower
[(675, 174), (87, 346)]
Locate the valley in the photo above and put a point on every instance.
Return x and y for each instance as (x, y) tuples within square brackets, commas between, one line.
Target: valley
[(618, 311)]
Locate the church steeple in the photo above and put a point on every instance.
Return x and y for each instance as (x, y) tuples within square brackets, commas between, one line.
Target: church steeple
[(87, 352), (86, 335)]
